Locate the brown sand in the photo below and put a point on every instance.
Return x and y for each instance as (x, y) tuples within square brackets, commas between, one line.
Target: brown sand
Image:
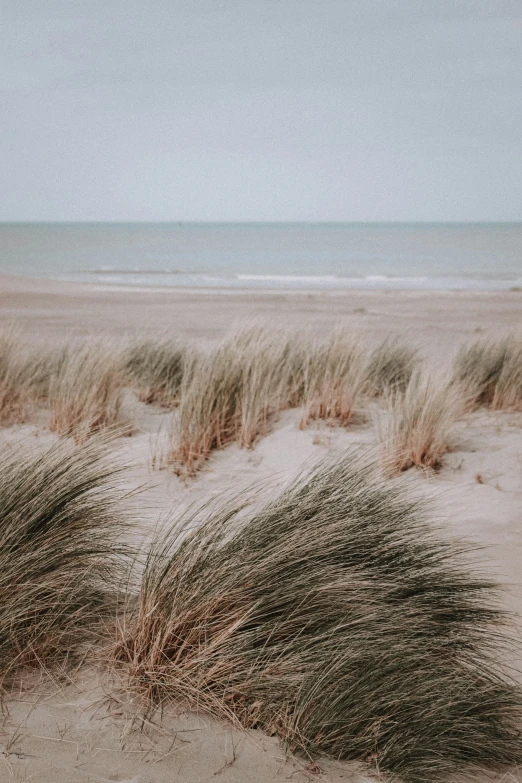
[(76, 730)]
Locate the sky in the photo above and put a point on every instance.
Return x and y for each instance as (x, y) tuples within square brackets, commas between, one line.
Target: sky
[(261, 110)]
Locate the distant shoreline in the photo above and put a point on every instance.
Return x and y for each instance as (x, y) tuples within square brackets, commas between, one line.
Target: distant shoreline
[(269, 256)]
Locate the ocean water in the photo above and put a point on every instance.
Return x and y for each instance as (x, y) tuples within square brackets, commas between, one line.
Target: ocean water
[(291, 255)]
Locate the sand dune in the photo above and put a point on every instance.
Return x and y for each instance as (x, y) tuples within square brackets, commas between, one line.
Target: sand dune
[(85, 727)]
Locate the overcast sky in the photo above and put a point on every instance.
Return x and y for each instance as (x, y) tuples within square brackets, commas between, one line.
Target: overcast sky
[(261, 110)]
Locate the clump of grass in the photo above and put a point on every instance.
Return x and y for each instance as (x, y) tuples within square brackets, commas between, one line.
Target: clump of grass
[(416, 425), (390, 367), (508, 390), (17, 378), (231, 391), (492, 371), (334, 617), (156, 367), (86, 392), (58, 553), (46, 364), (335, 379)]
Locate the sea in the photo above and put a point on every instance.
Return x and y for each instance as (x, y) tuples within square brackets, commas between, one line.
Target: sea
[(458, 256)]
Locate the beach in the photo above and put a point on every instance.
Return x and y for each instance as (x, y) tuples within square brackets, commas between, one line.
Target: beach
[(83, 726), (51, 309)]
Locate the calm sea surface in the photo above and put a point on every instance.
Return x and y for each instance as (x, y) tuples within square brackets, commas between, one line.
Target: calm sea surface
[(293, 255)]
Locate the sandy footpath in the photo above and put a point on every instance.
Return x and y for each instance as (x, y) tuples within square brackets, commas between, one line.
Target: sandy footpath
[(84, 728)]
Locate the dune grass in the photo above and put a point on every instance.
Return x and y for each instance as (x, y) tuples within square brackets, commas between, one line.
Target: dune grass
[(156, 368), (18, 376), (58, 553), (390, 367), (335, 618), (492, 371), (86, 392), (508, 390), (335, 378), (416, 424), (231, 391)]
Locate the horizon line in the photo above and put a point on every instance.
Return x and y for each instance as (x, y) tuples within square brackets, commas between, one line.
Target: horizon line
[(261, 222)]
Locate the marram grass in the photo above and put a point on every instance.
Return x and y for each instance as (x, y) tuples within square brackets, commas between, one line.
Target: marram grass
[(231, 391), (17, 378), (492, 372), (86, 391), (335, 378), (156, 369), (59, 557), (416, 424), (389, 367), (334, 617)]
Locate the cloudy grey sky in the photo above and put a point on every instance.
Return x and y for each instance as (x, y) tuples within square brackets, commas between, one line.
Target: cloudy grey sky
[(261, 110)]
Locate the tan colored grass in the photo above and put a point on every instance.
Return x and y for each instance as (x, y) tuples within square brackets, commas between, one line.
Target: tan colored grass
[(17, 378), (86, 393), (155, 367), (390, 366), (335, 378), (508, 390), (492, 372), (232, 390), (416, 425)]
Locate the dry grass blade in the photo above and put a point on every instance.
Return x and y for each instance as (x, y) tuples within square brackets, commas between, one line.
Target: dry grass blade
[(334, 617), (86, 392), (58, 553), (156, 367), (416, 425)]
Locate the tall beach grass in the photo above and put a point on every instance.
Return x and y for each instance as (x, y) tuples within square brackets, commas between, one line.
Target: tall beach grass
[(390, 366), (155, 366), (232, 390), (334, 617), (492, 372), (335, 378), (416, 424), (59, 557), (86, 392), (18, 376)]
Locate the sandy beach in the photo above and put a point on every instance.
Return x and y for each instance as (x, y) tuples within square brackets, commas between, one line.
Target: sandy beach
[(82, 727), (439, 319)]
